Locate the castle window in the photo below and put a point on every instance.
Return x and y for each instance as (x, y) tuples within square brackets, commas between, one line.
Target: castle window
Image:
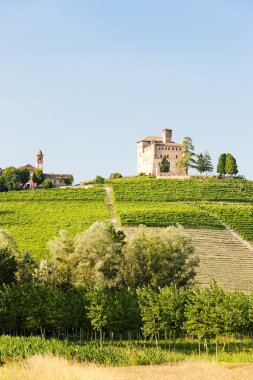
[(161, 156), (168, 156), (176, 156)]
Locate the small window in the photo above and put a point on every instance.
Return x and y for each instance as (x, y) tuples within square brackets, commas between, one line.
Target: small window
[(176, 156), (161, 156)]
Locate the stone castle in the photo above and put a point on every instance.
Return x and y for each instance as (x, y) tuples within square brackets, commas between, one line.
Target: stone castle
[(152, 149)]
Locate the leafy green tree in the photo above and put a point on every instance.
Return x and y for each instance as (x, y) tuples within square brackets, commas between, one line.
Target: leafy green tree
[(11, 178), (158, 260), (38, 177), (204, 163), (150, 311), (61, 250), (115, 175), (23, 175), (164, 165), (7, 241), (8, 266), (97, 256), (221, 167), (69, 180), (99, 180), (231, 165), (97, 309), (188, 159), (26, 269), (48, 184)]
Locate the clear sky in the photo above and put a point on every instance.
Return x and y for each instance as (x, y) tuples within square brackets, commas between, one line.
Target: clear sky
[(85, 79)]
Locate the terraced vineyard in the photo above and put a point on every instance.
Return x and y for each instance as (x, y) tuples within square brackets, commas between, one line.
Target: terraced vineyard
[(166, 214), (34, 217), (238, 217)]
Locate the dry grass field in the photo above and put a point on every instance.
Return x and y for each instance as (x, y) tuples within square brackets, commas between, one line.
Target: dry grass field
[(53, 368)]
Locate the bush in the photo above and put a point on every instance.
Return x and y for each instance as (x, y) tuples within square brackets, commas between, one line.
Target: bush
[(99, 180), (48, 184), (115, 176)]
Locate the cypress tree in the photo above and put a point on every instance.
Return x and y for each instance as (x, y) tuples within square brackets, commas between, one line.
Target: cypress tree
[(221, 167), (231, 165), (164, 165)]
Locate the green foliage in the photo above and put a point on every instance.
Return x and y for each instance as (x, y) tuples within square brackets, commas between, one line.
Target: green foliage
[(8, 266), (231, 165), (98, 256), (11, 178), (69, 180), (115, 175), (204, 163), (221, 167), (23, 175), (157, 260), (48, 184), (38, 177), (26, 269), (99, 180), (164, 165), (188, 159)]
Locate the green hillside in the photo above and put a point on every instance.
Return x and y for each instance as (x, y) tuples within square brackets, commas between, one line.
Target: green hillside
[(193, 203), (34, 217)]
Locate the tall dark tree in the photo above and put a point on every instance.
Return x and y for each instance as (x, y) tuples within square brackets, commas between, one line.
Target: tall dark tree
[(204, 163), (38, 177), (8, 266), (23, 175), (164, 165), (26, 268), (221, 167)]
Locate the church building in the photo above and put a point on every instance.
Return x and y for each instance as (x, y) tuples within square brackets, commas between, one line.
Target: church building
[(152, 149), (58, 180)]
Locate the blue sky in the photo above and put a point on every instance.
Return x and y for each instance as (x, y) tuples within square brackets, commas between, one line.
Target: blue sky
[(84, 80)]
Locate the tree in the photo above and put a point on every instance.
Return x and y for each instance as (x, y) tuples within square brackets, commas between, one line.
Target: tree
[(115, 176), (23, 175), (158, 260), (8, 266), (231, 165), (164, 165), (11, 178), (188, 156), (61, 250), (3, 186), (38, 177), (7, 241), (221, 167), (26, 269), (69, 180), (48, 184), (204, 163), (97, 257), (99, 180)]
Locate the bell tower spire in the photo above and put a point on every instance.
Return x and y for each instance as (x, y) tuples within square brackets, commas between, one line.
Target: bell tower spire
[(40, 160)]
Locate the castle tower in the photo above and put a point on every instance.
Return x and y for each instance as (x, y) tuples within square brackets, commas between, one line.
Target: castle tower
[(167, 136), (40, 160)]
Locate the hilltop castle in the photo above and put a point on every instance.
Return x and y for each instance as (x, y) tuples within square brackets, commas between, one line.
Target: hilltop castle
[(152, 149)]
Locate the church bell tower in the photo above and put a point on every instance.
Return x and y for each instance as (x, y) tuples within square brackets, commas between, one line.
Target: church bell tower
[(40, 160)]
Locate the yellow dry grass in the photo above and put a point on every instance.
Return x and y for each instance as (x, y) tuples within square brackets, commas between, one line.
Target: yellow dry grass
[(54, 368)]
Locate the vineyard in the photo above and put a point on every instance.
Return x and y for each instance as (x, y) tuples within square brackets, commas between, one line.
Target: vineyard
[(189, 190), (193, 203), (166, 214), (34, 217)]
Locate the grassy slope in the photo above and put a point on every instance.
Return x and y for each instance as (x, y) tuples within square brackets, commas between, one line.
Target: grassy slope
[(34, 217)]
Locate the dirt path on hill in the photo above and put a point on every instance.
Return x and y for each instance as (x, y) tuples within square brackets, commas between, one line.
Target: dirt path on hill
[(109, 203), (238, 237)]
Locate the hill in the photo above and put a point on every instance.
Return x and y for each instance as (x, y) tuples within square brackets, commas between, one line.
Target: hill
[(34, 217)]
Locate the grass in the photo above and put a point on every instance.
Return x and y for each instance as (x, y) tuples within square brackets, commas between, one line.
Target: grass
[(53, 368), (35, 217)]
